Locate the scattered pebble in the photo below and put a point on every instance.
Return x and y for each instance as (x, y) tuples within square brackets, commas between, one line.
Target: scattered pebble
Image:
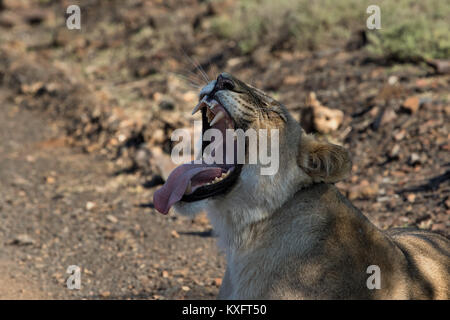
[(324, 120), (111, 218), (414, 159), (217, 282), (411, 197), (411, 104), (90, 205), (50, 180), (22, 240), (447, 203), (400, 135), (394, 151)]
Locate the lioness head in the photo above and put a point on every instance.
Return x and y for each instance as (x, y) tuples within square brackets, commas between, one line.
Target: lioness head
[(240, 188)]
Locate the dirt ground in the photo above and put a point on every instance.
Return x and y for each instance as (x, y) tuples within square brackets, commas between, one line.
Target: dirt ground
[(85, 124), (62, 207)]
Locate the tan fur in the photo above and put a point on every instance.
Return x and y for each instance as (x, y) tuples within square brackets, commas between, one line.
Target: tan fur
[(324, 162), (294, 236)]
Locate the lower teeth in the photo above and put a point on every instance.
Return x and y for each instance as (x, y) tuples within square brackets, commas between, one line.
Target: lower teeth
[(218, 179)]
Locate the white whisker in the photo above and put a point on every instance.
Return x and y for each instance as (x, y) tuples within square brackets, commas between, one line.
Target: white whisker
[(197, 66)]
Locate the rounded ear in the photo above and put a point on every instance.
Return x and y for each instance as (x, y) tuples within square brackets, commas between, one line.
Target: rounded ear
[(323, 161)]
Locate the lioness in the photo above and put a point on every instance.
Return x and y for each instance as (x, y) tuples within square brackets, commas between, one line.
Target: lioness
[(293, 235)]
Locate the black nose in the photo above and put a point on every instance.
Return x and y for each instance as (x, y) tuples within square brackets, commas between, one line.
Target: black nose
[(224, 83)]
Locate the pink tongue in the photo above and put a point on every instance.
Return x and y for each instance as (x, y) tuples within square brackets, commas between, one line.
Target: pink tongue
[(174, 188)]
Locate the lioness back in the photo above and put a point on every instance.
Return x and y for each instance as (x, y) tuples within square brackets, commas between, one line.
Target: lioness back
[(428, 258), (412, 263)]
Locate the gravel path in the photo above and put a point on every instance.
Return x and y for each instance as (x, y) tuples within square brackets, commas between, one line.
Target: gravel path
[(122, 85), (61, 207)]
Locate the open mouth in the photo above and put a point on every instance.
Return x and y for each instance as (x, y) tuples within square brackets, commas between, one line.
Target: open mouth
[(196, 181)]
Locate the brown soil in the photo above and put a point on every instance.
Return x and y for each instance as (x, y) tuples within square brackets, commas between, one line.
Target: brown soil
[(84, 114)]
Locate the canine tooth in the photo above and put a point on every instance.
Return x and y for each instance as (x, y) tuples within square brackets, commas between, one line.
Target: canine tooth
[(217, 118), (199, 105), (188, 188), (196, 108)]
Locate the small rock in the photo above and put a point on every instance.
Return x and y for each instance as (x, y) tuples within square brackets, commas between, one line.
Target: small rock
[(167, 104), (162, 162), (447, 203), (175, 234), (394, 151), (388, 116), (158, 136), (400, 135), (217, 282), (142, 157), (22, 240), (90, 205), (165, 274), (374, 111), (232, 62), (111, 218), (105, 294), (144, 280), (322, 119), (294, 79), (438, 227), (411, 104), (181, 272), (424, 222), (120, 235), (447, 110), (201, 219), (35, 16), (50, 180), (392, 80), (8, 18), (32, 88), (87, 271), (440, 66), (414, 159), (20, 181), (185, 288), (411, 197)]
